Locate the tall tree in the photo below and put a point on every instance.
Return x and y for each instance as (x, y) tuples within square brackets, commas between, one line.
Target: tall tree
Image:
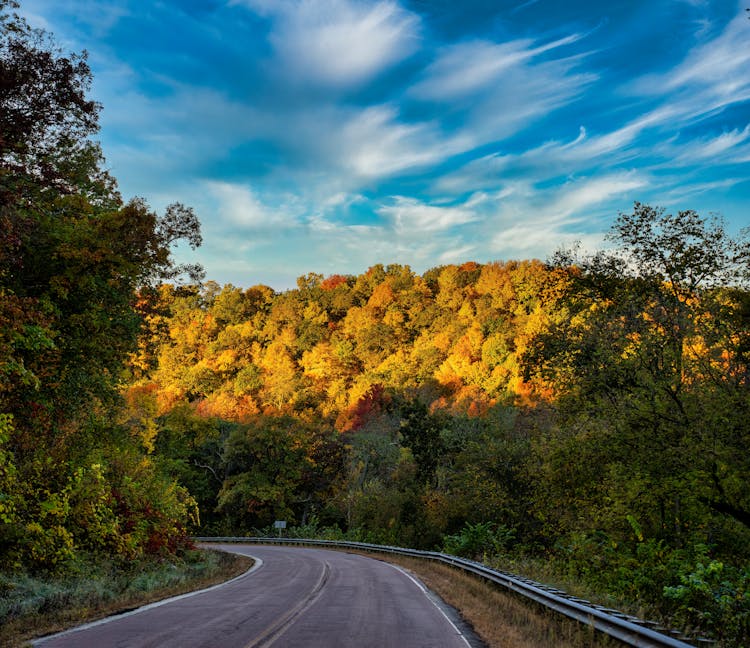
[(653, 371), (71, 254), (71, 258)]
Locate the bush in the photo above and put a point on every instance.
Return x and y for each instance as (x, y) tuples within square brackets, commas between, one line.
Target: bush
[(479, 540), (115, 502), (714, 598)]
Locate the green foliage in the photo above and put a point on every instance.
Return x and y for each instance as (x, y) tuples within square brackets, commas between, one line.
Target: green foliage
[(593, 411), (276, 469), (651, 354), (117, 503), (421, 433), (714, 598), (72, 256), (152, 510), (8, 479), (479, 540), (685, 587)]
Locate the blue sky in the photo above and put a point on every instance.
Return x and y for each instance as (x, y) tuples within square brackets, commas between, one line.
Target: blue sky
[(329, 135)]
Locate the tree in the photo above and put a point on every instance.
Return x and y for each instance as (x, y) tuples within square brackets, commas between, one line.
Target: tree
[(651, 364), (72, 256), (270, 473), (421, 433)]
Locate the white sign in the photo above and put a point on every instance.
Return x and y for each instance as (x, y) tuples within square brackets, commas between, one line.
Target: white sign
[(279, 524)]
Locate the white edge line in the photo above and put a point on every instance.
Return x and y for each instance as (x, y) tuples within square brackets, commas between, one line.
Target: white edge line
[(427, 592), (123, 615)]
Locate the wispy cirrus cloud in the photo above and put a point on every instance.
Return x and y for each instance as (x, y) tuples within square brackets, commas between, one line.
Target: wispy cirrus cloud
[(719, 65), (661, 137), (468, 68), (413, 217), (712, 76), (679, 193), (501, 87), (536, 219), (338, 42), (328, 135), (728, 147), (576, 196), (376, 143)]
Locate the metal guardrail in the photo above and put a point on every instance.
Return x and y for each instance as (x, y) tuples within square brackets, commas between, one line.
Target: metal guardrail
[(628, 629)]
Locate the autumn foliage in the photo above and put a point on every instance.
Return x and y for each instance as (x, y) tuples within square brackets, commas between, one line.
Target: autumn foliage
[(591, 412), (592, 404)]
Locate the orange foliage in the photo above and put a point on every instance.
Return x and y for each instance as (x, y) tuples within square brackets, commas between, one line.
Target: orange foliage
[(371, 404), (142, 398), (456, 332), (472, 401), (332, 282), (381, 297), (229, 407), (469, 266)]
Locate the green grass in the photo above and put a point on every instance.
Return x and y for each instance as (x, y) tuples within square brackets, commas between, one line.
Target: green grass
[(32, 605)]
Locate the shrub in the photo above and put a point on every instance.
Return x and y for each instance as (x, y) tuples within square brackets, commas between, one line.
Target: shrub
[(478, 540), (714, 598)]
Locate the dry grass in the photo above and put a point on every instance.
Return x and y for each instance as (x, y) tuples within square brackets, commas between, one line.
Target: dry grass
[(66, 611), (501, 619)]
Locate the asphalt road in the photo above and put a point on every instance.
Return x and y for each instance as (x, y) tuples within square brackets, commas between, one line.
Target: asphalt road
[(292, 598)]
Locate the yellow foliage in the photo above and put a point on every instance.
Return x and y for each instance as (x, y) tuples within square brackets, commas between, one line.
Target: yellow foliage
[(226, 360), (381, 297)]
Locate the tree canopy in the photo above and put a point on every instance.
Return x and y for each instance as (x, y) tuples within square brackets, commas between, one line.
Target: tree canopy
[(72, 256)]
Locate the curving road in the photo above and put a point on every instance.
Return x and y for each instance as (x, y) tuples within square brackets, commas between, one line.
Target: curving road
[(292, 598)]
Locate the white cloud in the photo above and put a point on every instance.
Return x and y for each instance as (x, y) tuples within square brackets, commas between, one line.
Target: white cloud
[(411, 216), (341, 199), (530, 240), (457, 255), (481, 173), (711, 77), (239, 206), (680, 194), (375, 144), (721, 149), (538, 221), (576, 196), (466, 68), (331, 139), (720, 63), (585, 147), (500, 88), (553, 159), (339, 42), (353, 248)]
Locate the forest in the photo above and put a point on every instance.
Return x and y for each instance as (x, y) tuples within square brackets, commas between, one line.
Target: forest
[(589, 412)]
